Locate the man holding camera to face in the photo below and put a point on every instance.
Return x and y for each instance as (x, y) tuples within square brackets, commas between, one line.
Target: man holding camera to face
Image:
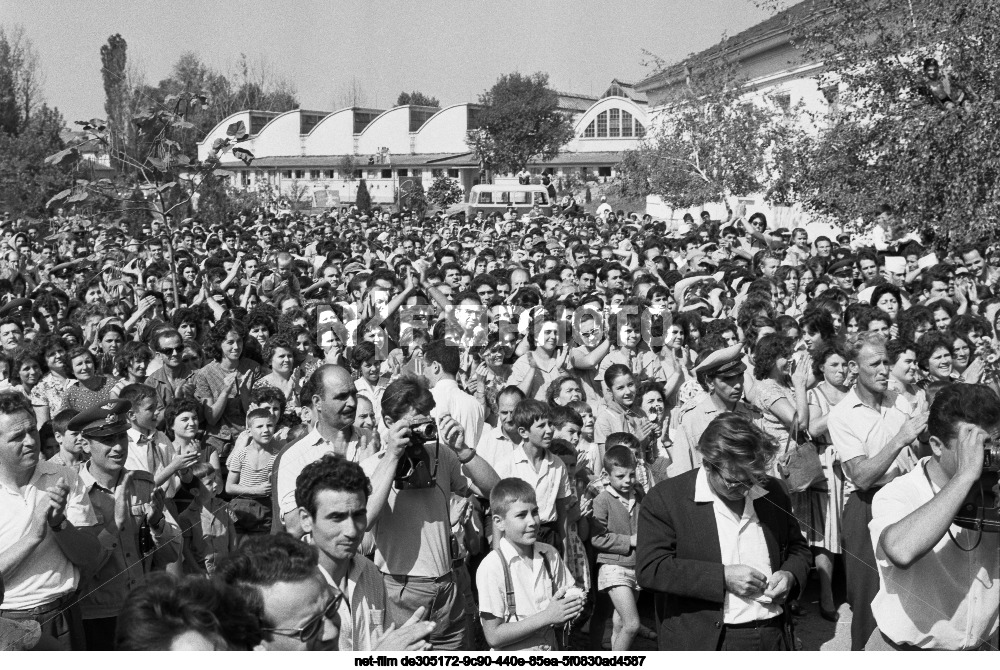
[(938, 574), (412, 479)]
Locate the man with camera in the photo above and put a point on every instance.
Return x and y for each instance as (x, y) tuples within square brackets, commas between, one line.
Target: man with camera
[(409, 508), (938, 575)]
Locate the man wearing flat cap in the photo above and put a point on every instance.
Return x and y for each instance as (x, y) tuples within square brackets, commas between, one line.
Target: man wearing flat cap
[(842, 272), (136, 534), (722, 372)]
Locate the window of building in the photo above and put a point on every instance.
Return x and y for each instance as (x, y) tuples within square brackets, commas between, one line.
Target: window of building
[(373, 174), (331, 174), (640, 130), (403, 172), (453, 173), (300, 174), (602, 124), (357, 174), (386, 174), (287, 174), (589, 131), (614, 121), (783, 101), (604, 171), (437, 172), (245, 178), (626, 124)]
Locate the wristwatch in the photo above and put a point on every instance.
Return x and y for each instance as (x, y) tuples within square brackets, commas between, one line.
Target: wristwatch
[(472, 454)]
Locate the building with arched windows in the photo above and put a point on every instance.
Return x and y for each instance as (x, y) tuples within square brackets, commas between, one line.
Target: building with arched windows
[(318, 158)]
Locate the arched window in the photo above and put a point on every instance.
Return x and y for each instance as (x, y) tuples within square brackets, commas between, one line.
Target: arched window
[(589, 131), (626, 124), (614, 127), (602, 124), (640, 130)]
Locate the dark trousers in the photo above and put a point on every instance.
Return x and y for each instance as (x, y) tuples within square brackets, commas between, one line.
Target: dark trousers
[(859, 566), (100, 633), (60, 622), (769, 636)]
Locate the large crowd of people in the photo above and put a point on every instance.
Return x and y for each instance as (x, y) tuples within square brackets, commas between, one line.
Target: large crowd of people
[(381, 431)]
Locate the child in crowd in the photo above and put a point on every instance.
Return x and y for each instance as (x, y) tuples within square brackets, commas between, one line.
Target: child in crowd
[(590, 458), (576, 552), (72, 447), (521, 603), (366, 361), (209, 534), (567, 425), (615, 521), (249, 479), (148, 448), (532, 462)]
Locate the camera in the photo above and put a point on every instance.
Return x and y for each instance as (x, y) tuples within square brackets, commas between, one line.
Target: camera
[(414, 468)]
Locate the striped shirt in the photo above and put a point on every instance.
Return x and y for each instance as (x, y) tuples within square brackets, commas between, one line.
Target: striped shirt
[(238, 461)]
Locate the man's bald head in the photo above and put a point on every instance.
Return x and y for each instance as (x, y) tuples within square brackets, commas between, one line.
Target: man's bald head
[(326, 378)]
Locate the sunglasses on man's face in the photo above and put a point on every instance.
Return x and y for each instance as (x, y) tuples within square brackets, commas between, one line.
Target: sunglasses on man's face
[(314, 626)]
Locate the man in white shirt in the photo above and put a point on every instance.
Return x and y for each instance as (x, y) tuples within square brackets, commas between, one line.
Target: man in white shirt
[(442, 360), (939, 582), (872, 429), (45, 521), (331, 393)]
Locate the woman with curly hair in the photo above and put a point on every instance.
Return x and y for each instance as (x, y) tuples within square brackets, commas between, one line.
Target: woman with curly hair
[(224, 385), (48, 396), (91, 387), (279, 352)]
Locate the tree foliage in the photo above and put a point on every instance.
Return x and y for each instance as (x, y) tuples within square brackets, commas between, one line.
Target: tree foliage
[(445, 192), (114, 63), (26, 181), (416, 98), (363, 199), (715, 140), (520, 122), (885, 140)]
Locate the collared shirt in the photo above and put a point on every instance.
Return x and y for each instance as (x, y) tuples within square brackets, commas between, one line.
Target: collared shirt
[(550, 481), (168, 387), (741, 539), (533, 588), (611, 417), (493, 446), (949, 597), (45, 574), (208, 532), (693, 419), (629, 502), (643, 363), (122, 566), (373, 393), (858, 430), (362, 611), (463, 408), (151, 453), (210, 383), (362, 444)]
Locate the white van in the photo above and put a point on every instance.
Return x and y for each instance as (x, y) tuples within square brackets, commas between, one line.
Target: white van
[(489, 198)]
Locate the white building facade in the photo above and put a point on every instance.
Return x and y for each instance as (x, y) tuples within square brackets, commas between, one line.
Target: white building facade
[(319, 158)]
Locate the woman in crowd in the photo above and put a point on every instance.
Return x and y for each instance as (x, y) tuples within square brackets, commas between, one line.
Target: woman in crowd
[(279, 353), (91, 388)]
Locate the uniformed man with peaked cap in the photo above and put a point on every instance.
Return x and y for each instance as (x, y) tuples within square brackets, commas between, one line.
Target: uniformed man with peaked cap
[(722, 371), (137, 534)]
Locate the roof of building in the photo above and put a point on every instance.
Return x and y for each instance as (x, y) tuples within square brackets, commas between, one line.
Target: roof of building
[(576, 102), (779, 24), (625, 90), (467, 159)]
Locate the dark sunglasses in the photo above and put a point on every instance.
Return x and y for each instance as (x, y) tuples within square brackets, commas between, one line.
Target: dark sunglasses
[(314, 627), (173, 351)]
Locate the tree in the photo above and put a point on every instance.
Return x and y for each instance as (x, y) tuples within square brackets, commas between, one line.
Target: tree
[(886, 140), (157, 178), (715, 141), (445, 192), (520, 122), (416, 98), (114, 60), (412, 196), (26, 181), (21, 75), (363, 199), (351, 94), (348, 166)]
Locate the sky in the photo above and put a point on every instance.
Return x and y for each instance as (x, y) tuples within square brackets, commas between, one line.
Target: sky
[(447, 49)]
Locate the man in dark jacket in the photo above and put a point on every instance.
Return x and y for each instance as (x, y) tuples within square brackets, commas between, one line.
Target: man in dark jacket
[(720, 547)]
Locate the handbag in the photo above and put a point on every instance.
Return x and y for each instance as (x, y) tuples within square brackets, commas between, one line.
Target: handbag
[(800, 467)]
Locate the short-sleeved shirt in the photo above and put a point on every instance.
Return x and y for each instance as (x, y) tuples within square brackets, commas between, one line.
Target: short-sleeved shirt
[(45, 575), (296, 456), (947, 599), (463, 408), (643, 363), (550, 481), (79, 397), (250, 476), (210, 383), (859, 430), (611, 417), (413, 531), (151, 454), (362, 611), (540, 376), (533, 588)]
